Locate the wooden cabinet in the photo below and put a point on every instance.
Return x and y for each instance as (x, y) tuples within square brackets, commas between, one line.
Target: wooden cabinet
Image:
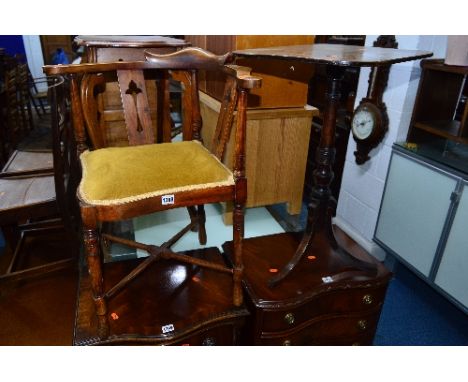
[(306, 308), (284, 83), (441, 108), (276, 152), (125, 48), (422, 220), (278, 121)]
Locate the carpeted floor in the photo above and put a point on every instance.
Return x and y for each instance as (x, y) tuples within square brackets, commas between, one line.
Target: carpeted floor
[(416, 314), (413, 312)]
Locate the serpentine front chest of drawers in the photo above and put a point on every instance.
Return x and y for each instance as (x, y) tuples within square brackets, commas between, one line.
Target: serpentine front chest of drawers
[(326, 300), (173, 304)]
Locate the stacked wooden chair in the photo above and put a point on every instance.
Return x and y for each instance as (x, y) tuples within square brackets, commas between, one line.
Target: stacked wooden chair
[(144, 177), (37, 194)]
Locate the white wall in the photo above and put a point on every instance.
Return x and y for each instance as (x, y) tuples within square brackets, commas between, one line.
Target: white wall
[(32, 45), (362, 186)]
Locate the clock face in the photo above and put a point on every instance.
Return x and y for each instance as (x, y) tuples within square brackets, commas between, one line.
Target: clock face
[(363, 123)]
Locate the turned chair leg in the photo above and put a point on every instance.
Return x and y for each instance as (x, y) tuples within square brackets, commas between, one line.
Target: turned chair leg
[(93, 258), (201, 217), (197, 215), (238, 236), (192, 210)]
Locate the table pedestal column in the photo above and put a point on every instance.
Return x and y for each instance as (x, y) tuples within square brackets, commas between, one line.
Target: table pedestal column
[(322, 204)]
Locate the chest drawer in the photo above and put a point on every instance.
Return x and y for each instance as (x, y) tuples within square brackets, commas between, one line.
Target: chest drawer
[(222, 335), (331, 303), (356, 329)]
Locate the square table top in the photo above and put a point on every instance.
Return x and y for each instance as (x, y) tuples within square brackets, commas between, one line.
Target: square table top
[(335, 54)]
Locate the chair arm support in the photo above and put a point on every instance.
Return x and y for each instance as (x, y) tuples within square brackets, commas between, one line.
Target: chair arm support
[(243, 77)]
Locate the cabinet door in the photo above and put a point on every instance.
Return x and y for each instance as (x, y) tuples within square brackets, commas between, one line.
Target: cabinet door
[(413, 211), (452, 275)]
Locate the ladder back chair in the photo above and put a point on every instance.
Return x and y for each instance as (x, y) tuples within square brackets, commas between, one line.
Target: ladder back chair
[(38, 200), (17, 127), (144, 177)]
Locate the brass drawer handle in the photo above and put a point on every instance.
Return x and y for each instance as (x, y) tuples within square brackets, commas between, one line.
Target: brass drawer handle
[(289, 318), (367, 299), (362, 324), (287, 343)]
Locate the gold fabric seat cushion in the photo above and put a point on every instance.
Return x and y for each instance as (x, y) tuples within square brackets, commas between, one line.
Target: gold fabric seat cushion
[(119, 175)]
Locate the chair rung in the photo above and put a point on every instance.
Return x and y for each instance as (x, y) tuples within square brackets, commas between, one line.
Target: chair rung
[(33, 272)]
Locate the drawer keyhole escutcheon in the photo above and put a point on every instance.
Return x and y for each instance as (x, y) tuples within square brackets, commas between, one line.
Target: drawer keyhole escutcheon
[(210, 341), (367, 299), (289, 318)]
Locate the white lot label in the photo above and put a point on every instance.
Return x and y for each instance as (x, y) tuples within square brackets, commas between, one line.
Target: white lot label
[(167, 199), (327, 279), (167, 328)]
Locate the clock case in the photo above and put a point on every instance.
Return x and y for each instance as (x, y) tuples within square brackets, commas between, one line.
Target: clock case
[(378, 80), (364, 146)]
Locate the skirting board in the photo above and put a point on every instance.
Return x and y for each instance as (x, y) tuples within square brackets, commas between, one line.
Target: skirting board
[(371, 247)]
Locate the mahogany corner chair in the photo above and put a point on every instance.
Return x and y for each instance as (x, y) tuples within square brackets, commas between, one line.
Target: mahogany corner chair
[(144, 177)]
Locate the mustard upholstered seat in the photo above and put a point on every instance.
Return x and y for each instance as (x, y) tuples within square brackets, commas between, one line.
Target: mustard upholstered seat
[(120, 175)]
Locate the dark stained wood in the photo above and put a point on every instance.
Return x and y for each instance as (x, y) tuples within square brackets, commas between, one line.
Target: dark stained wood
[(136, 107), (77, 115), (130, 48), (305, 309), (38, 199), (17, 113), (336, 58), (188, 58), (129, 41), (378, 79), (185, 79), (322, 204), (40, 310), (196, 301), (284, 85), (132, 77), (223, 127), (334, 54), (440, 109)]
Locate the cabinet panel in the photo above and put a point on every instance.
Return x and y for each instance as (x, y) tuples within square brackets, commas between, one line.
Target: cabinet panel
[(453, 268), (414, 210)]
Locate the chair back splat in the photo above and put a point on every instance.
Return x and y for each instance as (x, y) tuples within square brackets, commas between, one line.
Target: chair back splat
[(151, 172)]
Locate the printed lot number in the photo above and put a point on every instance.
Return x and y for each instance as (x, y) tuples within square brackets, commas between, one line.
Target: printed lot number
[(167, 199)]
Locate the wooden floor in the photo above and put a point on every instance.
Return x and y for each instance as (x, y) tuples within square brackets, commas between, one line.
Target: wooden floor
[(40, 311)]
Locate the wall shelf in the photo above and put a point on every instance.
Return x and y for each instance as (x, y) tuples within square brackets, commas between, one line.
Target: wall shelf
[(441, 108)]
